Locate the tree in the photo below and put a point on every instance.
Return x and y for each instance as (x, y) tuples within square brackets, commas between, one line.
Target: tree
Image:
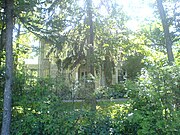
[(9, 69), (167, 36), (90, 84), (91, 38)]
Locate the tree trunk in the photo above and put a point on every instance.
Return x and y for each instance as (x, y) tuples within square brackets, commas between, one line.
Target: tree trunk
[(6, 121), (167, 36), (90, 84), (91, 38), (108, 70), (17, 48)]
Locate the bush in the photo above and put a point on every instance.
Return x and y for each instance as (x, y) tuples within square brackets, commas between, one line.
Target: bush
[(40, 111), (61, 88), (152, 108), (154, 102), (114, 91)]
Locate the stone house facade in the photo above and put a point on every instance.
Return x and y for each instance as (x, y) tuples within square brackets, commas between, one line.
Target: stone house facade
[(48, 68)]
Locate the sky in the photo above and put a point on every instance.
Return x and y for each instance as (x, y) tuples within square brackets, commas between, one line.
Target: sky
[(137, 10)]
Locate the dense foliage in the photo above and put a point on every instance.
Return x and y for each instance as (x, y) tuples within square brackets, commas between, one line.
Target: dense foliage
[(147, 95), (152, 108)]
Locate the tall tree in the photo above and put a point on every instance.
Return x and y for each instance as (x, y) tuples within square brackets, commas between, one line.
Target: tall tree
[(9, 69), (90, 56), (91, 37), (167, 36)]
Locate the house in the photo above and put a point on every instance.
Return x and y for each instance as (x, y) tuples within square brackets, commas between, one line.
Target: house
[(48, 68), (31, 66)]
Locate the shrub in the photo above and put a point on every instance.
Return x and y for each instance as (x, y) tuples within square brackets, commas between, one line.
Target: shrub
[(152, 108), (155, 102), (114, 91)]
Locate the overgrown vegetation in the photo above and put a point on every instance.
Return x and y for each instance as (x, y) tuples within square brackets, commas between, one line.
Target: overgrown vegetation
[(144, 99), (152, 108)]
